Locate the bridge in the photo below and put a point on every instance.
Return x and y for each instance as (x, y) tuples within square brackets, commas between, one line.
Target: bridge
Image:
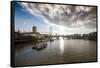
[(58, 36)]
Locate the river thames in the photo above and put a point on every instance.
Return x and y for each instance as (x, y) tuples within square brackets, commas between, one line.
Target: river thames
[(56, 52)]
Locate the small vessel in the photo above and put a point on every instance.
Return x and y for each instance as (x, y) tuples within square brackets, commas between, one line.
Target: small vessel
[(51, 40), (40, 46)]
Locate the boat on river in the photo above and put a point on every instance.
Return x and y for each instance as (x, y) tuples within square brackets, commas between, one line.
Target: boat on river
[(40, 46), (51, 40)]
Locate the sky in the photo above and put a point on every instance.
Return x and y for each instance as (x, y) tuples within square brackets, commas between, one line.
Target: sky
[(63, 19)]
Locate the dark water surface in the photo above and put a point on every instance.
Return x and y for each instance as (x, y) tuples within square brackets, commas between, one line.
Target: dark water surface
[(58, 51)]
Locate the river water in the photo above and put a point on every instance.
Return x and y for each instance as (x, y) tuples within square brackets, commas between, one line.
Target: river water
[(56, 52)]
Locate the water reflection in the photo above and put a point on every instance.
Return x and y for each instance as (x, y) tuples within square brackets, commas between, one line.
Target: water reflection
[(61, 46), (58, 51)]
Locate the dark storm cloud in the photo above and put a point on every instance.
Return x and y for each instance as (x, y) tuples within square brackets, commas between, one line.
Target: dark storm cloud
[(66, 15)]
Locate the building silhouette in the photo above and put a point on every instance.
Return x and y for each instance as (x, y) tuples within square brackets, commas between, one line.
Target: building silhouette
[(34, 29)]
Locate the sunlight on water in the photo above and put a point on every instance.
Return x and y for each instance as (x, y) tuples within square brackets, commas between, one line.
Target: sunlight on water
[(61, 46), (58, 51)]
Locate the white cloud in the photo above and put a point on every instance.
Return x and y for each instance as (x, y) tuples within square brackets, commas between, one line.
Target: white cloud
[(65, 15)]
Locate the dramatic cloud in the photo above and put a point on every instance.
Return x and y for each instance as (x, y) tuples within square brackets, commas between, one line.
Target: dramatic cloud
[(66, 15)]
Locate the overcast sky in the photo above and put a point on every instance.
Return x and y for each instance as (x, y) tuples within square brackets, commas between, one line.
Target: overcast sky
[(64, 19)]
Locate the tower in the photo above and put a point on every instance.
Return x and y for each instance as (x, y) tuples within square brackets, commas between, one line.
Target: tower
[(34, 29)]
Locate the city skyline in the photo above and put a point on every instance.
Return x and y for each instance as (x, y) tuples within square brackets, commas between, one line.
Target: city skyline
[(64, 19)]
